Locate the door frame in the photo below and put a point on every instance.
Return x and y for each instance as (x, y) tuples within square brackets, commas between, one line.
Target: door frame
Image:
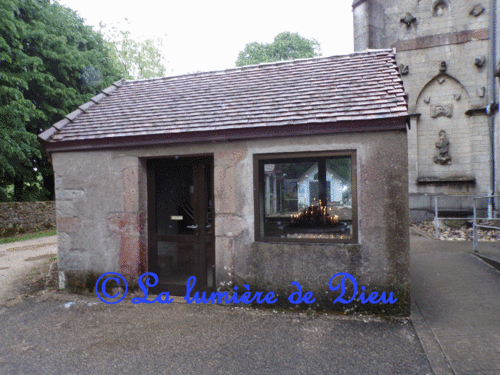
[(202, 238)]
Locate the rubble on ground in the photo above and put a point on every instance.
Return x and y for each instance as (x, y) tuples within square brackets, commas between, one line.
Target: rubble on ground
[(458, 230)]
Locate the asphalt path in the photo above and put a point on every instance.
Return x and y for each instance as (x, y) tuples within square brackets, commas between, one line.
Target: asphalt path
[(58, 333), (67, 334)]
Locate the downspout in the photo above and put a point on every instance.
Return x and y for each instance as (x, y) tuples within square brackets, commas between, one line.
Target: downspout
[(491, 107)]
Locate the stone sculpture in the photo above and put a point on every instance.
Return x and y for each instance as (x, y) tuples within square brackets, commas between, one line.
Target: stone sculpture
[(479, 61), (408, 20), (404, 69), (443, 146), (476, 10), (440, 8), (439, 110)]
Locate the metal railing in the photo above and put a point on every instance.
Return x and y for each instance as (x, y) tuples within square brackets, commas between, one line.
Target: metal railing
[(475, 225), (437, 218)]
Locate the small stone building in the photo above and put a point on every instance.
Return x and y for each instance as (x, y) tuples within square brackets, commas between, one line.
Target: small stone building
[(198, 175)]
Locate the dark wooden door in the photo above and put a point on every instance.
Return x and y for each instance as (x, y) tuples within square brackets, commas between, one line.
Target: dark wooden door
[(181, 227)]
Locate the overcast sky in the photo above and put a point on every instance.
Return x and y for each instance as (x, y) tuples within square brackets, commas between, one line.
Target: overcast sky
[(208, 35)]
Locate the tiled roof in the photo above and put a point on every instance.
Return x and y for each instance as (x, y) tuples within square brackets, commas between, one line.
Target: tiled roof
[(363, 86)]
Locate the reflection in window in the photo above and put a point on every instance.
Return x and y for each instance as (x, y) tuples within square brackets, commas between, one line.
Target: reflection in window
[(174, 200), (307, 198)]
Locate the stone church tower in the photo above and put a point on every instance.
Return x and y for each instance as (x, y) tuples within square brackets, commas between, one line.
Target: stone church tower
[(447, 59)]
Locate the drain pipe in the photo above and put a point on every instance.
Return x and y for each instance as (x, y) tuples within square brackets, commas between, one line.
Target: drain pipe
[(491, 107)]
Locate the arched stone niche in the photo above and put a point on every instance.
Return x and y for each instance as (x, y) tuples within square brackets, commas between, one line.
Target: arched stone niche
[(440, 8), (442, 104)]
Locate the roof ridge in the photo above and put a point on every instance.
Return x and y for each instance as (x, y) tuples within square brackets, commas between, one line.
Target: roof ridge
[(256, 66)]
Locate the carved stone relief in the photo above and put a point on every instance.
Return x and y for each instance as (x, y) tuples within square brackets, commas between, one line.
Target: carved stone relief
[(441, 80), (448, 153), (404, 69), (481, 92), (408, 20), (477, 10), (443, 146), (439, 110), (427, 100), (440, 7), (479, 61), (442, 66)]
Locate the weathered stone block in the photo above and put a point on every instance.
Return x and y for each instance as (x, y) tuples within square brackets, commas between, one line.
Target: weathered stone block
[(73, 260), (229, 226), (127, 223), (69, 194), (65, 208), (66, 224), (225, 190), (229, 158), (131, 189), (224, 253), (130, 257)]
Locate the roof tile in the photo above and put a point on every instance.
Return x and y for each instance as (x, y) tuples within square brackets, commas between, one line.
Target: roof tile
[(358, 87), (118, 83), (109, 90), (60, 124), (96, 99), (85, 107)]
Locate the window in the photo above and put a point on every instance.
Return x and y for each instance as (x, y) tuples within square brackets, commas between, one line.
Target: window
[(306, 197)]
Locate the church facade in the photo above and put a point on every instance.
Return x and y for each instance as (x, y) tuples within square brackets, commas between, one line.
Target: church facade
[(446, 53)]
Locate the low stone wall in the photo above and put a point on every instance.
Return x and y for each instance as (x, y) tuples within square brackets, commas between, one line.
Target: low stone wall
[(24, 217)]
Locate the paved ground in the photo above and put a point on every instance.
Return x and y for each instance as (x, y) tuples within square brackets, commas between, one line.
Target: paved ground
[(457, 306), (57, 333), (17, 260), (455, 315), (64, 335)]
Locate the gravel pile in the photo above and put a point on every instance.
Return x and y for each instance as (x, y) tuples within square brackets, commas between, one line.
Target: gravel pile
[(458, 230)]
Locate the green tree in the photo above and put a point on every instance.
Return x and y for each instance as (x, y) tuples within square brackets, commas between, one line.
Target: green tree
[(133, 59), (50, 63), (286, 46)]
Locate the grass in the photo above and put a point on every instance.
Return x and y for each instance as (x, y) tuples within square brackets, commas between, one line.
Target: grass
[(28, 236)]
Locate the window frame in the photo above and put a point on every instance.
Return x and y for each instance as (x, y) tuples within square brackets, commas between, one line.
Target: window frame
[(259, 192)]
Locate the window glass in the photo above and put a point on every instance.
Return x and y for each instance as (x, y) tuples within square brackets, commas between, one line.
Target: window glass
[(306, 198)]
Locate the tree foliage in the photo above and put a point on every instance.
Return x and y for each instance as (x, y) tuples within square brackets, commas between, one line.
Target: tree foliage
[(286, 46), (50, 63), (134, 59)]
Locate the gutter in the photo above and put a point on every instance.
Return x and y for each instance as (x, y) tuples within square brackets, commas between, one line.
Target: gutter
[(224, 135)]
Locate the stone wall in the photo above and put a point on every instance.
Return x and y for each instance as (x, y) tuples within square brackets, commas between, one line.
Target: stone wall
[(23, 217), (102, 219), (453, 97)]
